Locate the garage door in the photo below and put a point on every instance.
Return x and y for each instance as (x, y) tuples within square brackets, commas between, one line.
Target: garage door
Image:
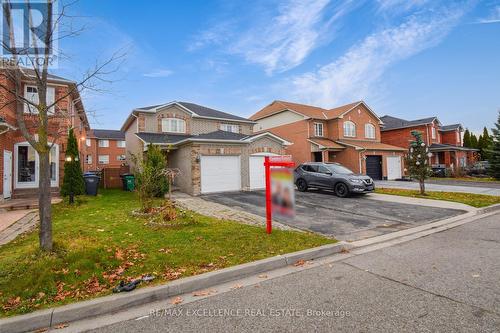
[(258, 171), (220, 173), (393, 167), (374, 166)]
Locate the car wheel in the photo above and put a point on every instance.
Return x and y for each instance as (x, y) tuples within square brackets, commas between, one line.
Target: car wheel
[(301, 185), (341, 190)]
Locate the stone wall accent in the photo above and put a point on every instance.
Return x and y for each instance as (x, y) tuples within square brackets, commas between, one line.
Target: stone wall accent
[(202, 126), (173, 112)]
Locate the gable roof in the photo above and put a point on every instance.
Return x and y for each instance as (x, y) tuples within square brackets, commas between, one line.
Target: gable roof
[(309, 111), (108, 134), (391, 123), (451, 127), (369, 145)]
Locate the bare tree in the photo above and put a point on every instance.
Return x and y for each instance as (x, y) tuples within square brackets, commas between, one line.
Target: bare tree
[(43, 124)]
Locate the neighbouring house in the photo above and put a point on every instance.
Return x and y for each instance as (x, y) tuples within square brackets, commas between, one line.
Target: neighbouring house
[(104, 149), (214, 150), (349, 134), (444, 141), (19, 165)]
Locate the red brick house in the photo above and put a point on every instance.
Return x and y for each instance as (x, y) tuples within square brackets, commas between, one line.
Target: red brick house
[(104, 149), (349, 134), (445, 142), (19, 165)]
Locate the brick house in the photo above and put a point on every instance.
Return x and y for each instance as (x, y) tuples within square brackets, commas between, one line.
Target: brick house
[(19, 166), (214, 150), (349, 134), (445, 142), (104, 149)]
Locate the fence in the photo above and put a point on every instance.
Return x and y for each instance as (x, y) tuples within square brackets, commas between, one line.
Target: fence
[(110, 177)]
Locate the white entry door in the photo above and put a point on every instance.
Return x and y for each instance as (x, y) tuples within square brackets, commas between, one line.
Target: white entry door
[(7, 174), (393, 167), (220, 173), (257, 171)]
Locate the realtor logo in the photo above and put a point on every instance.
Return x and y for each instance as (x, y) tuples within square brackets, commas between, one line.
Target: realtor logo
[(24, 29)]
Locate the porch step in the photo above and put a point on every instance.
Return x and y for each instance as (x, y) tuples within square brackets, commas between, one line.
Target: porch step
[(29, 203), (30, 193)]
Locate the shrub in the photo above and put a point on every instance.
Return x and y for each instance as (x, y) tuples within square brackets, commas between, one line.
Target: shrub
[(73, 177)]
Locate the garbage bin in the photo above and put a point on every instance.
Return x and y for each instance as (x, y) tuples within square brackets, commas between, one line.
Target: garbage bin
[(91, 183), (128, 181)]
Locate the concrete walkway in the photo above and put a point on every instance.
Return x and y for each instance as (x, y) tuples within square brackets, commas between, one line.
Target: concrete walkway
[(438, 187), (18, 222)]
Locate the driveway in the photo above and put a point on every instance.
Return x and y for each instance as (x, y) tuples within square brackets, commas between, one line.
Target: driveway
[(474, 188), (343, 218)]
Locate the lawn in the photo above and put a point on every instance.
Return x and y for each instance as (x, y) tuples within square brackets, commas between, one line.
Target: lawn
[(474, 200), (98, 242), (469, 179)]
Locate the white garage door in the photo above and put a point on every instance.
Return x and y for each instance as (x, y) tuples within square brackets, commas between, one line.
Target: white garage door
[(220, 173), (258, 171), (393, 167)]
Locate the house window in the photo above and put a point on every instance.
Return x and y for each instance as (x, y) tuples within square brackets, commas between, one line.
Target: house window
[(318, 129), (31, 94), (120, 144), (103, 143), (349, 129), (103, 159), (369, 131), (173, 125), (230, 128), (88, 159), (87, 142), (433, 131), (121, 158)]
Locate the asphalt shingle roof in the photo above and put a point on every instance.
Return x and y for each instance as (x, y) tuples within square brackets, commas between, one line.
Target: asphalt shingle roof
[(393, 122), (450, 127), (221, 135), (204, 111), (162, 138), (109, 134)]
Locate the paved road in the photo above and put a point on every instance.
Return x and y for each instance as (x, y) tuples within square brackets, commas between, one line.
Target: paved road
[(344, 218), (486, 188), (445, 282)]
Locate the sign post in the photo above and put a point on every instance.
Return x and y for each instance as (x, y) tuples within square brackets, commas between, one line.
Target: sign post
[(273, 161)]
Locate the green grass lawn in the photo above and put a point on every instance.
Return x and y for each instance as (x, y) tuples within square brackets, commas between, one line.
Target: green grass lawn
[(98, 242), (469, 179), (474, 200)]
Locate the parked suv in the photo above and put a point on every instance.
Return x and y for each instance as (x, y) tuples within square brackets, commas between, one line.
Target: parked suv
[(332, 176)]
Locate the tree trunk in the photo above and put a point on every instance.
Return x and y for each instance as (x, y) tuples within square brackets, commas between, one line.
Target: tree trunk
[(422, 186), (44, 204)]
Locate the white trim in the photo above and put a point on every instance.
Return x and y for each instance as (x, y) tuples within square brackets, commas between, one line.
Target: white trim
[(7, 184), (344, 129), (367, 107), (168, 122), (35, 183), (255, 137), (370, 125), (316, 131), (283, 110)]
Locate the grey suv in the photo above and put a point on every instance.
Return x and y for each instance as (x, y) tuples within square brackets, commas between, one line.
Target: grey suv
[(332, 176)]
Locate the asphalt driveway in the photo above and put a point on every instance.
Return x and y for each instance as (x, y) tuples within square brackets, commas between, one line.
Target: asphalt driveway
[(343, 218)]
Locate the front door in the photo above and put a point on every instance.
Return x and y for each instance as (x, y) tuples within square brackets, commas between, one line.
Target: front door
[(318, 156), (7, 174), (26, 168), (374, 166)]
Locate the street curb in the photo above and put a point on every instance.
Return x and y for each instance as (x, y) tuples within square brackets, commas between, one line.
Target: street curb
[(488, 209), (117, 302)]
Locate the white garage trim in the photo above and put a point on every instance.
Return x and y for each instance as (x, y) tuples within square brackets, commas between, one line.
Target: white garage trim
[(393, 167), (257, 170), (220, 173)]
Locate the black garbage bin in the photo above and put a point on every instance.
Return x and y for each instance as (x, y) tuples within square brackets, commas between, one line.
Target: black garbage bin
[(91, 184)]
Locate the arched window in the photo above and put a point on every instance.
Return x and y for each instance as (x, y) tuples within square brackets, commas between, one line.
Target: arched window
[(369, 131), (349, 129), (173, 125)]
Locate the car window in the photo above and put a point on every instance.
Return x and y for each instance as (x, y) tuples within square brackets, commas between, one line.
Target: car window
[(335, 168), (323, 169), (310, 168)]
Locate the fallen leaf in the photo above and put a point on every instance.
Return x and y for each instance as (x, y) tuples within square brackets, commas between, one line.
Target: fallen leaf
[(344, 250), (263, 276), (300, 262), (41, 330), (176, 300), (65, 271), (119, 254), (100, 230), (204, 292), (237, 286), (61, 325)]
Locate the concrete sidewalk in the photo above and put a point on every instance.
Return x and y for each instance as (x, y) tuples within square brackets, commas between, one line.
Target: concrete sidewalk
[(438, 187)]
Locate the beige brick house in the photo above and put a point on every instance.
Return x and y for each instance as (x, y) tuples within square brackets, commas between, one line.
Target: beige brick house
[(215, 151)]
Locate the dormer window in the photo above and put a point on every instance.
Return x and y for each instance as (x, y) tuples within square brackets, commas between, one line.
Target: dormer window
[(31, 94), (173, 125), (318, 129), (369, 131), (230, 128), (349, 129)]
